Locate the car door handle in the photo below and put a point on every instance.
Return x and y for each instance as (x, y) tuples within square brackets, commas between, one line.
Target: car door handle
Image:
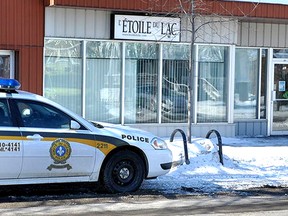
[(34, 137)]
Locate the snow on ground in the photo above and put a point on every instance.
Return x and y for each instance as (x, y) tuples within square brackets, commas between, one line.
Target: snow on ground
[(248, 163)]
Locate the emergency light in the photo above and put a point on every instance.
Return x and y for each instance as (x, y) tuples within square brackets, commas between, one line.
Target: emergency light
[(9, 84)]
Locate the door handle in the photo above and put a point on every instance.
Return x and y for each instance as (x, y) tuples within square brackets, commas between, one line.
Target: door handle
[(34, 137)]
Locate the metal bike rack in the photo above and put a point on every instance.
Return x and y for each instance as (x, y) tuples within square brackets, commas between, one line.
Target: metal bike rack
[(187, 161), (220, 151)]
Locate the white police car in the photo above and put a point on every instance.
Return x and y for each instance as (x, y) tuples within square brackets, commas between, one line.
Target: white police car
[(43, 142)]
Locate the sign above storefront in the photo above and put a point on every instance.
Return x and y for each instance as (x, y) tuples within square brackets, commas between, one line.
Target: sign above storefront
[(146, 28)]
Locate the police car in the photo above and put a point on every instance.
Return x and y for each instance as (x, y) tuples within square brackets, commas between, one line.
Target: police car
[(43, 142)]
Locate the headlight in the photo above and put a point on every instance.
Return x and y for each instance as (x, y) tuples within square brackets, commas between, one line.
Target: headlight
[(158, 144)]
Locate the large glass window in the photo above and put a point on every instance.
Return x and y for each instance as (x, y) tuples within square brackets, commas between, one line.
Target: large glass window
[(103, 81), (246, 83), (141, 82), (63, 73), (280, 53), (212, 84), (142, 95), (262, 102), (175, 83)]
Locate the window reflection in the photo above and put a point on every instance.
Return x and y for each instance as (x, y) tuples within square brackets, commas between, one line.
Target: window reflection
[(141, 82), (174, 105), (212, 84), (40, 115), (103, 81), (5, 66), (63, 73), (5, 118), (263, 84), (146, 100), (280, 53), (246, 83)]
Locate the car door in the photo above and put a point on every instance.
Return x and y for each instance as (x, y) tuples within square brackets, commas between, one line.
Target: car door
[(11, 146), (51, 148)]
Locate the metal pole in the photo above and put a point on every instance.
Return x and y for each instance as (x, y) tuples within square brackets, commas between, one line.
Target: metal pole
[(191, 82)]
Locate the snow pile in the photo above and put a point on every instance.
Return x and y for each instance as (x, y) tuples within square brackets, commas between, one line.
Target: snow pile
[(248, 163)]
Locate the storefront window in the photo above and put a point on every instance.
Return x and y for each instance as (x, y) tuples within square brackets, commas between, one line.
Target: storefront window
[(280, 53), (146, 98), (174, 105), (141, 82), (103, 81), (63, 73), (212, 84), (246, 83), (263, 83)]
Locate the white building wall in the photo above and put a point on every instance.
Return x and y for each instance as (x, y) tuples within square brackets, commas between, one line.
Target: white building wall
[(77, 23), (216, 30), (260, 34), (96, 24)]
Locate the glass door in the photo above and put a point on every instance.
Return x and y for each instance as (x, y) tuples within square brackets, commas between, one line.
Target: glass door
[(280, 100), (6, 64)]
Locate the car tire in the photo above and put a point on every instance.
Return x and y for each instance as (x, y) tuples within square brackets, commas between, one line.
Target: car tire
[(124, 172)]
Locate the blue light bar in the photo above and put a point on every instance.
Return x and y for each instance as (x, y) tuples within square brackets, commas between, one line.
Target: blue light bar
[(9, 84)]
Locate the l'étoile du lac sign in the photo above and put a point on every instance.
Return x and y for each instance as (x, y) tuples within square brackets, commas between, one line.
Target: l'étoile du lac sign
[(146, 28)]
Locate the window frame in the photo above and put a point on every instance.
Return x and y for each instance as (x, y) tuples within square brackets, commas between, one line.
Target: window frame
[(11, 55), (262, 75)]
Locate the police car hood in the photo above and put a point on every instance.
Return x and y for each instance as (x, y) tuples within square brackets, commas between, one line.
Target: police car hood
[(121, 130)]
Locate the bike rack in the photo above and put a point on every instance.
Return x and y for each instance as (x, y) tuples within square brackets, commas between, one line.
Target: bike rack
[(220, 151), (187, 161)]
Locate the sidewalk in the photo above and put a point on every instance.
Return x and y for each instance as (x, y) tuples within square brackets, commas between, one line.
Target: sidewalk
[(256, 141), (248, 163)]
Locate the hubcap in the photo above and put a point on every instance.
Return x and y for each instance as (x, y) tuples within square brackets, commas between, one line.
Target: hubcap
[(123, 173)]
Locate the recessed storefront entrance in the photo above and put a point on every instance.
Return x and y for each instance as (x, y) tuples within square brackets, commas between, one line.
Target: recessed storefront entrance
[(280, 100)]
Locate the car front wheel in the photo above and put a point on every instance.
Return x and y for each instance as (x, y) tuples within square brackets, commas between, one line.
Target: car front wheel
[(124, 172)]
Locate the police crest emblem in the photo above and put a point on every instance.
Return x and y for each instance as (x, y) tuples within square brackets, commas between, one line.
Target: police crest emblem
[(60, 152)]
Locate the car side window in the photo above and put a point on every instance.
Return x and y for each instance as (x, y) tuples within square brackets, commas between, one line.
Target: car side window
[(40, 115), (5, 117)]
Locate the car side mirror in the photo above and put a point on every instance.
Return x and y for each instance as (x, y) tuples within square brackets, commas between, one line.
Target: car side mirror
[(74, 125)]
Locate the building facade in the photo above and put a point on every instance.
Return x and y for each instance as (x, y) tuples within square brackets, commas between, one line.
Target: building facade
[(129, 62)]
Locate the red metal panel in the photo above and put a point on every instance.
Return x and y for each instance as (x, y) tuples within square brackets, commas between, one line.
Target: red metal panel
[(282, 11), (22, 22), (244, 9), (134, 5), (31, 66), (22, 30), (18, 24), (3, 12), (209, 6)]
